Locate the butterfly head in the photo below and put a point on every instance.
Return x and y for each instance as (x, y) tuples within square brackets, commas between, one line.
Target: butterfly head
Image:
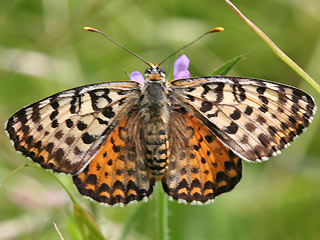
[(155, 73)]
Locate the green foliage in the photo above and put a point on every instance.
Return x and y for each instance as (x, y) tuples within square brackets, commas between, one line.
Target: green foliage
[(225, 68), (86, 224), (277, 50), (88, 227), (43, 50)]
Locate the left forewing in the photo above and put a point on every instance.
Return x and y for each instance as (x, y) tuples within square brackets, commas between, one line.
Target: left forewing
[(64, 131)]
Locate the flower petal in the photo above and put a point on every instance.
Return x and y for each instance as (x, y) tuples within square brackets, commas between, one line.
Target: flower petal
[(137, 77), (182, 74), (181, 65)]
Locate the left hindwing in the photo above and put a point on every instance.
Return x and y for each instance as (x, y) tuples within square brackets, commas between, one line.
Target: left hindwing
[(253, 117)]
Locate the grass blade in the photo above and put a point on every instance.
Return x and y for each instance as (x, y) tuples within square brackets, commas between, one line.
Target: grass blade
[(87, 225), (162, 214), (58, 231), (130, 221), (11, 174), (225, 68), (276, 49)]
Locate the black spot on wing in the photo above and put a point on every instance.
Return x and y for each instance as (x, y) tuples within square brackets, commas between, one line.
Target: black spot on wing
[(206, 106), (235, 115), (108, 112), (87, 138), (232, 128)]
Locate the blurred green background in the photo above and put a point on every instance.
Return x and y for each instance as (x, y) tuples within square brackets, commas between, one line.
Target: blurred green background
[(43, 50)]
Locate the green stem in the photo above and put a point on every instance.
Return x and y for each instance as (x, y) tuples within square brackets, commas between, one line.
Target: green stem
[(276, 49), (131, 221), (11, 174), (88, 227), (58, 180), (162, 214)]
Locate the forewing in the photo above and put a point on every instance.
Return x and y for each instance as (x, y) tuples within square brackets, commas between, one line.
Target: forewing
[(253, 117), (64, 132), (118, 172), (200, 166)]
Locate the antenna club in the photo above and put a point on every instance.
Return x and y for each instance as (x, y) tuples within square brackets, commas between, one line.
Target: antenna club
[(217, 29), (90, 29)]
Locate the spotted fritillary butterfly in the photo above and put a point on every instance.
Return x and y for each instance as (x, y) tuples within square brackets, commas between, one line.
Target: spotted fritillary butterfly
[(116, 139)]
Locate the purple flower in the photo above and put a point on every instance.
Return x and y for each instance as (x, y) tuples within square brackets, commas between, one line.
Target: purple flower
[(137, 77), (180, 70)]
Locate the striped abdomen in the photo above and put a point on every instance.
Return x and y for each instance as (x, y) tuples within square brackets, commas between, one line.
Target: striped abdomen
[(156, 143)]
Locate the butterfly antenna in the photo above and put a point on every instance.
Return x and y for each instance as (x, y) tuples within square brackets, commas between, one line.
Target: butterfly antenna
[(90, 29), (217, 29)]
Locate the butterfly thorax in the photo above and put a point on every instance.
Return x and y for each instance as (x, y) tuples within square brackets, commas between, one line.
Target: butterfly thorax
[(154, 106)]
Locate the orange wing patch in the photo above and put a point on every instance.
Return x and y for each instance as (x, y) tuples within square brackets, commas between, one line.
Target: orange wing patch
[(205, 169), (116, 174)]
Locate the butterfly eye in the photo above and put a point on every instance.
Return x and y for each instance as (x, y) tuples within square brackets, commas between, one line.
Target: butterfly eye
[(161, 71), (148, 71)]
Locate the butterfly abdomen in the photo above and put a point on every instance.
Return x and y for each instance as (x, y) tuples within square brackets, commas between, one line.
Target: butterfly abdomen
[(155, 128), (156, 140)]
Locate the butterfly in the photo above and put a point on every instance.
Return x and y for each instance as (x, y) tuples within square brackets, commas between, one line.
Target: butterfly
[(118, 138)]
